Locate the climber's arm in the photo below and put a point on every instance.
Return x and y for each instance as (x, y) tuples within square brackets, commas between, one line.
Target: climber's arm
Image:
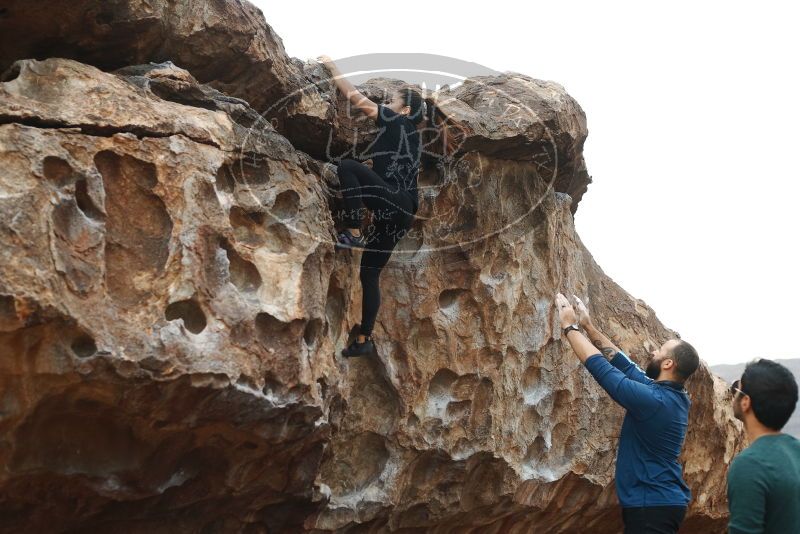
[(615, 356), (632, 395), (611, 352), (636, 397), (599, 340), (354, 96), (629, 367)]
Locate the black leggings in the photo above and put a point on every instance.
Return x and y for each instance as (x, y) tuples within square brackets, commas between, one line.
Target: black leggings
[(653, 519), (392, 214)]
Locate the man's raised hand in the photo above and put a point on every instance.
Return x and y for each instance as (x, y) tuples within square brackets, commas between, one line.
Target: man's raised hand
[(566, 313), (582, 347), (583, 313)]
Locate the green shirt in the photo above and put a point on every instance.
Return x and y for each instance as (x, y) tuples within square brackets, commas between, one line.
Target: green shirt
[(764, 487)]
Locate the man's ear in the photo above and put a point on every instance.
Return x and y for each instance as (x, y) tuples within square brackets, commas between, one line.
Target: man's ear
[(744, 403)]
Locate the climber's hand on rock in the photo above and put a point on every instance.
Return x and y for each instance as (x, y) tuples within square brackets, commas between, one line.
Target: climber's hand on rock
[(325, 60), (368, 163), (566, 313), (583, 313)]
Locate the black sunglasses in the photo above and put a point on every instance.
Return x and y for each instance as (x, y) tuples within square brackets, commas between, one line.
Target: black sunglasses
[(735, 388)]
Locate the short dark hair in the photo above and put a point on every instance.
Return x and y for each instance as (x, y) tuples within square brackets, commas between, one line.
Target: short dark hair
[(686, 359), (772, 390)]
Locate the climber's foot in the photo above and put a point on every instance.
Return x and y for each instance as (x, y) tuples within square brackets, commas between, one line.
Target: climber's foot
[(359, 349), (346, 239)]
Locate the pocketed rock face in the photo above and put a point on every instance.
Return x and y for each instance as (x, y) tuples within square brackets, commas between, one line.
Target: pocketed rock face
[(159, 354), (172, 309)]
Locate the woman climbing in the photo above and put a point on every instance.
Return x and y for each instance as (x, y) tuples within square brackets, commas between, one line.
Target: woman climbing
[(388, 190)]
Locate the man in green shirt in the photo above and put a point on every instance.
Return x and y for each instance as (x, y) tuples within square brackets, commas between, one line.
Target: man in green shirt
[(764, 480)]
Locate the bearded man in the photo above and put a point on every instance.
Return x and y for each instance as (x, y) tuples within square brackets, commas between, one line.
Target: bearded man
[(648, 475)]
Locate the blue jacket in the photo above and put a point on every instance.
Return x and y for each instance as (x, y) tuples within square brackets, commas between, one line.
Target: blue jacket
[(657, 414)]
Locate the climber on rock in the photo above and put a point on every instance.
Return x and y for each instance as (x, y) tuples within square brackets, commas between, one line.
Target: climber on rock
[(388, 190), (648, 477)]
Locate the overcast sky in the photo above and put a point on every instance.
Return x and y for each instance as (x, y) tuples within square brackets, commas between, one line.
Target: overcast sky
[(693, 120)]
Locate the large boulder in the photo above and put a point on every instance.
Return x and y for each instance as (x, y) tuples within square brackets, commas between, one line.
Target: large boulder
[(172, 310)]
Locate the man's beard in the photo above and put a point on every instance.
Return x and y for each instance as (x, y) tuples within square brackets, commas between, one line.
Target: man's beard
[(653, 369)]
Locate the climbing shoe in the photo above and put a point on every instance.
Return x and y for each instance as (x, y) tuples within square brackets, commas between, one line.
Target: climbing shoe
[(348, 240), (359, 349)]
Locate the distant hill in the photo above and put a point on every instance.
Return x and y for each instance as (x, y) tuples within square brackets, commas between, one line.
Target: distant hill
[(731, 372)]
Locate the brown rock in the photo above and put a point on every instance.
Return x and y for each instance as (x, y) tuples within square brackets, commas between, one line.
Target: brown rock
[(509, 116), (138, 351), (225, 43), (516, 117), (171, 313), (231, 47), (107, 104)]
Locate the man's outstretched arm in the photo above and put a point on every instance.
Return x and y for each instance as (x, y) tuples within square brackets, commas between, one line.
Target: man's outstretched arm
[(611, 352), (631, 394), (599, 339)]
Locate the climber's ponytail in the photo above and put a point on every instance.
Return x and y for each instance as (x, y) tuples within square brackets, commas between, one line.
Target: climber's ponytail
[(443, 135)]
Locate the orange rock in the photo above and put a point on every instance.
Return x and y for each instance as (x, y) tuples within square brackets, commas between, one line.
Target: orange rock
[(171, 308)]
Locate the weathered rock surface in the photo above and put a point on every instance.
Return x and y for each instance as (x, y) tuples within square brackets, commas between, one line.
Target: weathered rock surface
[(171, 310), (510, 117), (229, 45), (225, 43)]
